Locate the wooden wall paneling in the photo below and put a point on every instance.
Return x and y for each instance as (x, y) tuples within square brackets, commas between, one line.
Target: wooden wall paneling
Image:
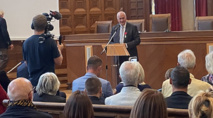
[(65, 21), (75, 62), (157, 52), (210, 8), (15, 55), (80, 16), (147, 12), (95, 13), (137, 9), (111, 7)]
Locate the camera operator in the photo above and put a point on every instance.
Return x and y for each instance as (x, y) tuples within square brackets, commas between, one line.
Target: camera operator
[(41, 52)]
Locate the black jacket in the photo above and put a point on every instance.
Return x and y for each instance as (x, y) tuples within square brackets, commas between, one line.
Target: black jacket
[(4, 35)]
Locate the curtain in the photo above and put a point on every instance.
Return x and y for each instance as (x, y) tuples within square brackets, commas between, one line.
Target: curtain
[(174, 8), (201, 7)]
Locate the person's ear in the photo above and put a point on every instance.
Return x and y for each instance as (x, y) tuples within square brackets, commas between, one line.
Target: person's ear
[(101, 91), (30, 96), (170, 80), (178, 64), (190, 81)]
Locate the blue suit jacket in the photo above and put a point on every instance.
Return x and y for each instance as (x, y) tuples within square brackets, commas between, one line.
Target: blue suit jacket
[(79, 84)]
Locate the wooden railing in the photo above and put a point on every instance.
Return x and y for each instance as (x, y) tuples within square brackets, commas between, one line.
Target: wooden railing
[(101, 111)]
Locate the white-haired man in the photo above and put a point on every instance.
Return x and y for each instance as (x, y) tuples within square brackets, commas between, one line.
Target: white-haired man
[(127, 33), (20, 92), (5, 42), (187, 60), (129, 74), (209, 67)]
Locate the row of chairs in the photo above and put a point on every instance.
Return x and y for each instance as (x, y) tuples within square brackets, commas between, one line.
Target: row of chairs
[(158, 22), (101, 111)]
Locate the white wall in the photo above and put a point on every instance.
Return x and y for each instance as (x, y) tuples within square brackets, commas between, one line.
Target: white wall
[(19, 15)]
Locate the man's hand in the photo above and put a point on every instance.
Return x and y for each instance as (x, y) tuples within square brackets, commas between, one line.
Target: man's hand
[(60, 47), (11, 46)]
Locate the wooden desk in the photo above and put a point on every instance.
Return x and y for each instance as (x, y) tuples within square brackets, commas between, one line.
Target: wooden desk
[(157, 52)]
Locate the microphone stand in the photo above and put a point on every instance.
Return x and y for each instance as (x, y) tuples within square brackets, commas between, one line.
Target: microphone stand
[(105, 50)]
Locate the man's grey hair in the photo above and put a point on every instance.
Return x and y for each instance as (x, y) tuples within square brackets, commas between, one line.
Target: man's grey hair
[(48, 83), (141, 73), (187, 59), (121, 12), (209, 63), (129, 73), (39, 22)]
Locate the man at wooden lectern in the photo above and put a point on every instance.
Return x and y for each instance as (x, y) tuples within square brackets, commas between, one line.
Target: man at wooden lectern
[(125, 33)]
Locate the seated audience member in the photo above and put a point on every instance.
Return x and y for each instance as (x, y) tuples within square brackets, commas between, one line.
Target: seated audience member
[(46, 89), (22, 70), (3, 95), (93, 71), (187, 60), (150, 104), (20, 92), (78, 106), (129, 74), (209, 67), (141, 84), (167, 76), (168, 73), (179, 80), (4, 80), (201, 105), (94, 90)]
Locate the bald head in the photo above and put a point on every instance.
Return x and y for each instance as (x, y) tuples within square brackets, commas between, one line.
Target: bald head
[(20, 89)]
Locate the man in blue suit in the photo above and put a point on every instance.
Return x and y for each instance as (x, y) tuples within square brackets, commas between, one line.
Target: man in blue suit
[(94, 68), (126, 33)]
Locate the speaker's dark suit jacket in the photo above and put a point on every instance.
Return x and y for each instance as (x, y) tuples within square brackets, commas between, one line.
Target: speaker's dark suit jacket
[(131, 38)]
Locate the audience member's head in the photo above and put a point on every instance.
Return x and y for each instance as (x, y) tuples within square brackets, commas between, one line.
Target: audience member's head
[(150, 104), (180, 77), (39, 22), (187, 59), (209, 63), (141, 73), (78, 106), (20, 89), (168, 73), (1, 13), (129, 73), (93, 87), (201, 105), (48, 83), (94, 65)]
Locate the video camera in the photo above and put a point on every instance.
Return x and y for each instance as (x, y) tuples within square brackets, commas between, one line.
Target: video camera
[(50, 27)]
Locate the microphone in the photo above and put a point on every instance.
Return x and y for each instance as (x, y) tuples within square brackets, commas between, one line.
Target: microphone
[(105, 48), (55, 14), (116, 28)]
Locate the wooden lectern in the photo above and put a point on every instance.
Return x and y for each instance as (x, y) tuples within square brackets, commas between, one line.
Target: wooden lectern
[(115, 50)]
